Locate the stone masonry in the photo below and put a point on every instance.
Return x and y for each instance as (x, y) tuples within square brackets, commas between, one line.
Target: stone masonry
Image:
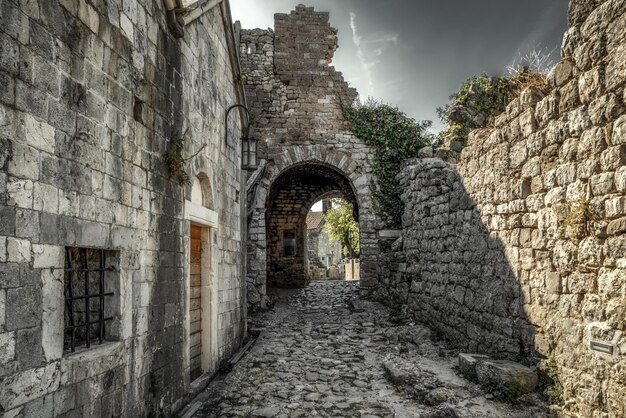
[(295, 98), (519, 249), (92, 95)]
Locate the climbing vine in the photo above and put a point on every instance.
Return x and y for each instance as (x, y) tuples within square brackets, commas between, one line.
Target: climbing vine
[(175, 160), (394, 137)]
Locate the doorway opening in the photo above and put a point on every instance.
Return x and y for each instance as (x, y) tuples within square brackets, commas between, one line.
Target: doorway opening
[(333, 240), (291, 197)]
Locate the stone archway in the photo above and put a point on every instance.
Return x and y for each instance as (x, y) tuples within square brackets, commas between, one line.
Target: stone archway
[(313, 171), (291, 197)]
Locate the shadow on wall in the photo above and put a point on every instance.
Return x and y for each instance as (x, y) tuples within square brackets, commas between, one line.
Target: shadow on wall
[(450, 272)]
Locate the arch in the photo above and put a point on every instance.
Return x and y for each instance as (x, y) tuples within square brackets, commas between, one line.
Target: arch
[(352, 167), (201, 191), (290, 197)]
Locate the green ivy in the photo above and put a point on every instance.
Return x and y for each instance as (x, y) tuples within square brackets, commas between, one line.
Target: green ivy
[(394, 137)]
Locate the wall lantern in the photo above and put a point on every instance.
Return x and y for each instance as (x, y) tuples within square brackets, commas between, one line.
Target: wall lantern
[(248, 142)]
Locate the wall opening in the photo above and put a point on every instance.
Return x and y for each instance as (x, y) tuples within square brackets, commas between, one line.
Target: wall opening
[(332, 239), (202, 301), (291, 197), (195, 303)]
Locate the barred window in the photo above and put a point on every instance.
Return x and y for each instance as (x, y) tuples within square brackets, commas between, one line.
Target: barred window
[(91, 286)]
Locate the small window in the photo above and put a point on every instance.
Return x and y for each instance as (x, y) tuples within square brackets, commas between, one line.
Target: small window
[(91, 287), (289, 242)]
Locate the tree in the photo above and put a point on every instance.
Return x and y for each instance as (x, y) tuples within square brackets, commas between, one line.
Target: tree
[(341, 227)]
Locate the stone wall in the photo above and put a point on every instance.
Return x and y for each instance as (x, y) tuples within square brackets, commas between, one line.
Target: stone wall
[(92, 94), (295, 96), (519, 250)]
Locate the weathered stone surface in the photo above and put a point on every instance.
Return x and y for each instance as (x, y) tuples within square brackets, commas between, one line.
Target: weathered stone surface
[(81, 167), (316, 355), (535, 254), (294, 95), (506, 376), (467, 363), (31, 384)]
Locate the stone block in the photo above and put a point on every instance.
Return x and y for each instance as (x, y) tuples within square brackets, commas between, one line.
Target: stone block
[(29, 385), (29, 348), (52, 313), (506, 378), (23, 306), (615, 207), (20, 193), (591, 85), (620, 179), (3, 249), (616, 227), (602, 184), (613, 158), (619, 131), (7, 347), (48, 256), (92, 235), (30, 100), (27, 224), (9, 55), (9, 275), (24, 162), (46, 198), (563, 72), (569, 97), (64, 399), (41, 407), (467, 363), (18, 250), (531, 96)]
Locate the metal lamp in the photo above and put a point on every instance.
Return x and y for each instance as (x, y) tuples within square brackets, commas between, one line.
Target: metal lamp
[(248, 142)]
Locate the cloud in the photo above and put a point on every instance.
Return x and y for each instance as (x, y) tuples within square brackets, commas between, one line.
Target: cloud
[(369, 49), (356, 39)]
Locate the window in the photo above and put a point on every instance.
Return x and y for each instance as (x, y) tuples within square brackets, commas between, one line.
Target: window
[(91, 284), (289, 243)]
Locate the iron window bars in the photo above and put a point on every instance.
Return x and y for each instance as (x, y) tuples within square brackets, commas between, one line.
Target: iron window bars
[(80, 309)]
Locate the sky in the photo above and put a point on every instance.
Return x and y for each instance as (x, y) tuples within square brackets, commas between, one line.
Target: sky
[(415, 53)]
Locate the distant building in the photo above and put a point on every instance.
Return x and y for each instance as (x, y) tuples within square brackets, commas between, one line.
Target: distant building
[(324, 257)]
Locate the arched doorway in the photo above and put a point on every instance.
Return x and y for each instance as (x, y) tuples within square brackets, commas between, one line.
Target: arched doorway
[(290, 197)]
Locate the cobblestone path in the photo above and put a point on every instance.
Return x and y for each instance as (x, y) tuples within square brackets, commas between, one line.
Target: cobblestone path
[(324, 353)]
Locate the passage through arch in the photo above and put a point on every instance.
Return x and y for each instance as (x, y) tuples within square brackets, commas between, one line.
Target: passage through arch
[(290, 198)]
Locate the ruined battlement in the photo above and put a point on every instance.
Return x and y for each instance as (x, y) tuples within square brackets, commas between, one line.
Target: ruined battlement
[(293, 91)]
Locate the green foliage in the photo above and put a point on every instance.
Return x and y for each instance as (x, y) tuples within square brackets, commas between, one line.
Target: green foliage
[(341, 227), (475, 105), (176, 162), (394, 137), (549, 382), (577, 219)]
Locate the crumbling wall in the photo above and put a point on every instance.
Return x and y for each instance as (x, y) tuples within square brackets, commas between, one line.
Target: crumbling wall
[(295, 97), (519, 250), (92, 96)]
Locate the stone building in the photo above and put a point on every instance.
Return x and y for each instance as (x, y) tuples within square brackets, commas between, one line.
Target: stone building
[(295, 97), (516, 247), (322, 253), (105, 256)]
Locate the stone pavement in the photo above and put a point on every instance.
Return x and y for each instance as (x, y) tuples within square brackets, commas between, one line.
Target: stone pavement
[(322, 352)]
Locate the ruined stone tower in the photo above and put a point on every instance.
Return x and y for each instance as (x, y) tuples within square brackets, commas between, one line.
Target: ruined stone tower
[(295, 97)]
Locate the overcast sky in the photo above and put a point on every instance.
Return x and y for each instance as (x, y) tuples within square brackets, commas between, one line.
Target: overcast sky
[(415, 53)]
